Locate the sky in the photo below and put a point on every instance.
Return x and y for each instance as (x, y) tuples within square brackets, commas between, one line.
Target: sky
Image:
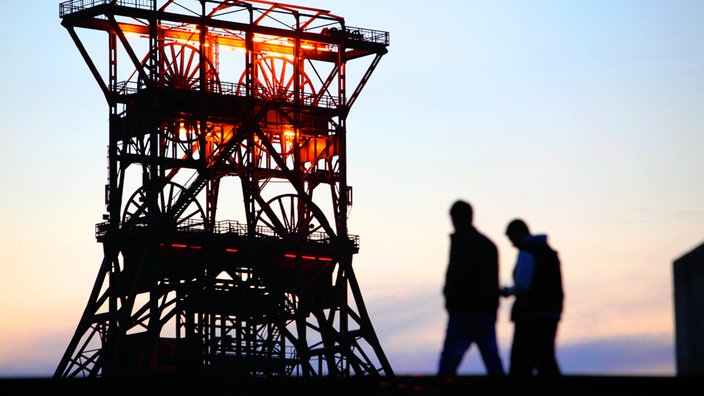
[(582, 117)]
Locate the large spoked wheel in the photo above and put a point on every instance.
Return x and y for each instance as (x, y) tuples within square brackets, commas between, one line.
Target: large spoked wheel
[(287, 217), (137, 210), (274, 78), (179, 68)]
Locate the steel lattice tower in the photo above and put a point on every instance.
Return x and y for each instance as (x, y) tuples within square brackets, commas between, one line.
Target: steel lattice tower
[(236, 106)]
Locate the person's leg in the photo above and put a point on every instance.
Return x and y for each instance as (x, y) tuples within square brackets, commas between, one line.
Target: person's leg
[(488, 346), (522, 349), (457, 341), (546, 360)]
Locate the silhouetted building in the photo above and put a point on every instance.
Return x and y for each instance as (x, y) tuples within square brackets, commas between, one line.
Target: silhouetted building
[(225, 236), (689, 312)]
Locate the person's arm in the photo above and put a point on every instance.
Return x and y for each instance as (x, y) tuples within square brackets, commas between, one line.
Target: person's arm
[(523, 276), (449, 287)]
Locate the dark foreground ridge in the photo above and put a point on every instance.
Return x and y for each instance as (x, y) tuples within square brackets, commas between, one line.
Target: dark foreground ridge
[(364, 386)]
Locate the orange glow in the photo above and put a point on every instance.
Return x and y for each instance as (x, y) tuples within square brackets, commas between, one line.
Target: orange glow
[(289, 135), (275, 45), (316, 148), (217, 134), (182, 131), (265, 38)]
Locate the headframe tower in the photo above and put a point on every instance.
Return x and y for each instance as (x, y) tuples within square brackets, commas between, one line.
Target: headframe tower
[(225, 108)]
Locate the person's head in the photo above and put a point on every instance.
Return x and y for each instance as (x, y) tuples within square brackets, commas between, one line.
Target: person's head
[(461, 214), (516, 231)]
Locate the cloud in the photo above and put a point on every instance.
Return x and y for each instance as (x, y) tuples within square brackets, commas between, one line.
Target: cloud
[(644, 354), (411, 328), (618, 356), (33, 354)]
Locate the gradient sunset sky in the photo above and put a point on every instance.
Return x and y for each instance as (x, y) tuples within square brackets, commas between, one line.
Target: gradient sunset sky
[(585, 118)]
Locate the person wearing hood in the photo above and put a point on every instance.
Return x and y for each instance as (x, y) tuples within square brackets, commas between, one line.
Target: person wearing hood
[(538, 303)]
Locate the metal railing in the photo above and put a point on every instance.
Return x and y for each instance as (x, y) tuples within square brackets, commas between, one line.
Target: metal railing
[(368, 35), (355, 33), (222, 227), (72, 6), (231, 88)]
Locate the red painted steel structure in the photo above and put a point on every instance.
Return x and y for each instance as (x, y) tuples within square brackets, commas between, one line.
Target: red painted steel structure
[(236, 106)]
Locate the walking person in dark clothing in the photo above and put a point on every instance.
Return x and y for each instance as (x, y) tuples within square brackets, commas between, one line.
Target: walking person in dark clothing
[(471, 294), (538, 303)]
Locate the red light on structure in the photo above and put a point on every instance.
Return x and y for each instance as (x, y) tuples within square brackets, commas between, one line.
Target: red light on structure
[(183, 246), (293, 256), (231, 250)]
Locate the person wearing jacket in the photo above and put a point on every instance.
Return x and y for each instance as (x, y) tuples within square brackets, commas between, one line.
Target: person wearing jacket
[(538, 303), (471, 293)]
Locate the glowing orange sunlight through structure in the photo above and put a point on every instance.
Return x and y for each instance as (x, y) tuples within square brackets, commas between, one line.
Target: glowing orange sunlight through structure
[(236, 106)]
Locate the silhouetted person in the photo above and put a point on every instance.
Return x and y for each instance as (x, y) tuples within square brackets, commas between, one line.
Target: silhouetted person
[(471, 294), (538, 302)]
